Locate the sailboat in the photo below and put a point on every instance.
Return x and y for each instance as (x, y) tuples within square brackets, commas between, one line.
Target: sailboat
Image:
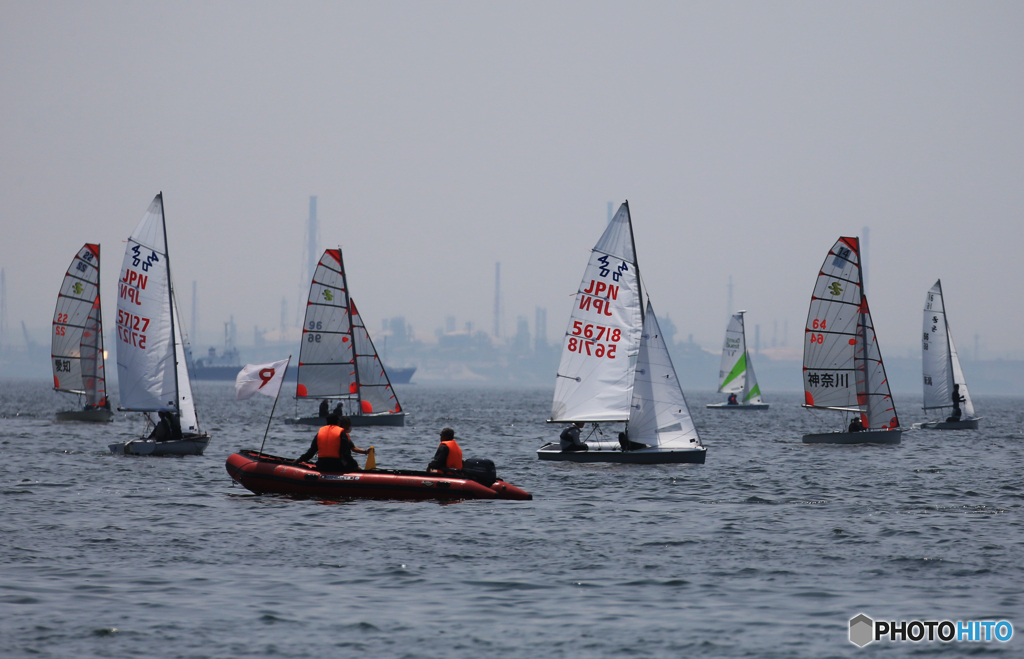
[(943, 377), (843, 368), (736, 375), (337, 359), (76, 351), (152, 368), (615, 365)]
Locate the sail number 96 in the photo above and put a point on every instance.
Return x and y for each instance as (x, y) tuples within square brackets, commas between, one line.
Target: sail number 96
[(583, 346), (595, 332)]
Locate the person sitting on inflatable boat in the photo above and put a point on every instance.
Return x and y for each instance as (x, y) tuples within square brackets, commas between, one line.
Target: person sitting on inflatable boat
[(333, 446), (448, 458)]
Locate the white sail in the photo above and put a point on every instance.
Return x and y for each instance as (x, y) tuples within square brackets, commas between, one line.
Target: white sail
[(77, 343), (842, 365), (186, 403), (752, 390), (958, 377), (326, 361), (939, 361), (938, 375), (736, 374), (375, 392), (732, 376), (658, 415), (145, 345), (599, 351)]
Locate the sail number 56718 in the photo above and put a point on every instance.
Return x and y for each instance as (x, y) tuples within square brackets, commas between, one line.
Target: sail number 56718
[(595, 332)]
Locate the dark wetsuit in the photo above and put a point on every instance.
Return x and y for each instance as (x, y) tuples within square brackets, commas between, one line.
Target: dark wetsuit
[(569, 440)]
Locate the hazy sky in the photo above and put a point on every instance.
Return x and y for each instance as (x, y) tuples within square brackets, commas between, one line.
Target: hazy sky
[(443, 137)]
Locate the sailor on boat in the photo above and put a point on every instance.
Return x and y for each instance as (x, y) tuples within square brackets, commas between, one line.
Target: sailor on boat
[(448, 458), (324, 408), (732, 400), (333, 447), (570, 440), (169, 427), (856, 425), (957, 399)]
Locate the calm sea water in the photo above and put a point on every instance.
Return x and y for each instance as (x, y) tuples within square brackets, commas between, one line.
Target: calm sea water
[(765, 551)]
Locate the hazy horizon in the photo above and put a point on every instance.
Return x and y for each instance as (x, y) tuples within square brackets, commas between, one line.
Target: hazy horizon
[(442, 138)]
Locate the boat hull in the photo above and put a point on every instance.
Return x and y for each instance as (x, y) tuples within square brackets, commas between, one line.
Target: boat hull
[(648, 456), (394, 420), (401, 375), (963, 424), (268, 474), (91, 416), (862, 437), (191, 445), (749, 407)]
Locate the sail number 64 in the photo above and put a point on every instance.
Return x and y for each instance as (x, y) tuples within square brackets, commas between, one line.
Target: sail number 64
[(818, 324), (817, 338)]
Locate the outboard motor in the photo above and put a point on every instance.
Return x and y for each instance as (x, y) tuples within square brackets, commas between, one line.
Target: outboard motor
[(480, 470)]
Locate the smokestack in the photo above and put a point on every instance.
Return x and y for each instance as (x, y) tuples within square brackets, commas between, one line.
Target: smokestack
[(3, 310), (312, 234), (540, 330), (731, 309), (497, 300)]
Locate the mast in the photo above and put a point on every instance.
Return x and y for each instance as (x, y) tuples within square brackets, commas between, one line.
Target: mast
[(636, 263), (746, 359), (949, 348), (351, 334), (862, 334), (170, 297), (99, 303)]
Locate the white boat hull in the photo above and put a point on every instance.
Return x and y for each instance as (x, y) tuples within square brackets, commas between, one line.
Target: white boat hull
[(93, 416), (862, 437), (962, 424), (553, 452), (190, 445), (736, 408)]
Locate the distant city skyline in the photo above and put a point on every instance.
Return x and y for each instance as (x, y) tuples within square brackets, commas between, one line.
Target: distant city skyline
[(746, 142)]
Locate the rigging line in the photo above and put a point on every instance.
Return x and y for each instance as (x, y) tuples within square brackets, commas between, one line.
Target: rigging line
[(821, 273), (827, 301)]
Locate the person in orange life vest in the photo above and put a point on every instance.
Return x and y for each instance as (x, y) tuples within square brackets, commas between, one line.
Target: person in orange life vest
[(333, 446), (448, 457)]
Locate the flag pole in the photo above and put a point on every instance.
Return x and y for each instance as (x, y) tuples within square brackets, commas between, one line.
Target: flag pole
[(275, 403)]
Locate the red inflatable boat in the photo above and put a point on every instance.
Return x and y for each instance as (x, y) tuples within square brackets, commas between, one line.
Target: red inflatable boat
[(269, 474)]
